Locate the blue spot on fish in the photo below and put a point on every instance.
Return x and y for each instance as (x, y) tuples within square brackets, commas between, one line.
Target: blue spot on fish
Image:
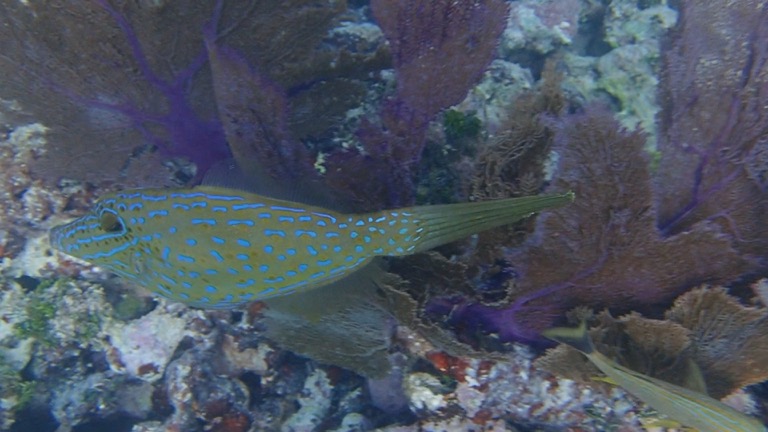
[(154, 213), (289, 209), (271, 232), (185, 258), (246, 206), (246, 284), (198, 221), (247, 222), (217, 255)]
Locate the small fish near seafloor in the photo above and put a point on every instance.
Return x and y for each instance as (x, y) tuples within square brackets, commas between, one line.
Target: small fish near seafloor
[(215, 247), (685, 406)]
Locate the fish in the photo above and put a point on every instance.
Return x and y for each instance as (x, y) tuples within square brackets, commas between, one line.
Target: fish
[(215, 247), (683, 405)]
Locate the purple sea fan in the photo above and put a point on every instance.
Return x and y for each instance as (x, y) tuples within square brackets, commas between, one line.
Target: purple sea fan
[(634, 239), (714, 127), (109, 79), (604, 250), (440, 49), (115, 80)]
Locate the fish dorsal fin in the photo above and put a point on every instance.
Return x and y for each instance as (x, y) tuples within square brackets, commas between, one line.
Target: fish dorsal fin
[(694, 378), (605, 379), (255, 179)]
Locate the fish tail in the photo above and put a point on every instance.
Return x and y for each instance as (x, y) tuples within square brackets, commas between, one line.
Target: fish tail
[(576, 337), (441, 224)]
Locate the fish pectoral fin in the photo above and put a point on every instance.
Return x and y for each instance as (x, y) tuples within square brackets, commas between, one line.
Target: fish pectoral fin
[(318, 303)]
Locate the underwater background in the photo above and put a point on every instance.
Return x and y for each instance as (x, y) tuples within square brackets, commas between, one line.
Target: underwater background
[(654, 113)]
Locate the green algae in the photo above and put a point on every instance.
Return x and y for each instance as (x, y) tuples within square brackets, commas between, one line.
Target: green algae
[(39, 314), (13, 386), (42, 308), (460, 125)]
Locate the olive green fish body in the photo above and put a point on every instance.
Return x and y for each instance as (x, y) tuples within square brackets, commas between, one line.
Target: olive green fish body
[(216, 248), (688, 407)]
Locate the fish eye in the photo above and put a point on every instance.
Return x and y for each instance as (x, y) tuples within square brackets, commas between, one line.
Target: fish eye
[(110, 223)]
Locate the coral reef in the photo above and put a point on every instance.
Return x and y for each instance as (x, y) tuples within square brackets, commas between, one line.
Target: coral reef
[(700, 204), (581, 256), (391, 102), (439, 50), (706, 332), (623, 71)]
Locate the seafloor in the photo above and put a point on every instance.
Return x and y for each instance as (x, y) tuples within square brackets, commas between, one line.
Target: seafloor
[(81, 350)]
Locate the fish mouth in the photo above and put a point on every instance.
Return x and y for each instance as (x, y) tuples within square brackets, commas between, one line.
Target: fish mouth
[(54, 238)]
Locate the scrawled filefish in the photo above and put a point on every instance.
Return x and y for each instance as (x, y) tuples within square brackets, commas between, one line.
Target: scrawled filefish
[(215, 247), (688, 407)]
